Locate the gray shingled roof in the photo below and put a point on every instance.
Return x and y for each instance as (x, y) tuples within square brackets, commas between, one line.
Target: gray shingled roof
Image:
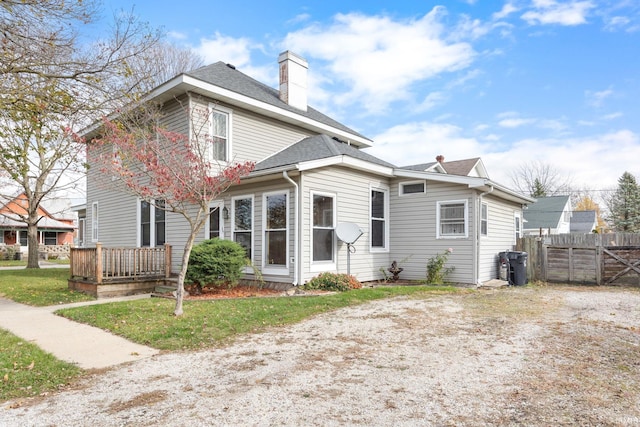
[(582, 221), (456, 167), (227, 77), (545, 212), (314, 148), (420, 168)]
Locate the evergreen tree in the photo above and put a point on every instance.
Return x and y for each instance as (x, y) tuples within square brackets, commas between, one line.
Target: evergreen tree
[(624, 205)]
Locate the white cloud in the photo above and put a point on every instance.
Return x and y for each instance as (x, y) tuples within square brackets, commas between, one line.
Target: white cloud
[(506, 10), (421, 142), (515, 122), (592, 162), (552, 12), (595, 99), (236, 51), (612, 116), (176, 35), (378, 58)]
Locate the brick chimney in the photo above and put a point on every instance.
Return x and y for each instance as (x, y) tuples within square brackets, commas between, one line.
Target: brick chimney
[(293, 80), (440, 158)]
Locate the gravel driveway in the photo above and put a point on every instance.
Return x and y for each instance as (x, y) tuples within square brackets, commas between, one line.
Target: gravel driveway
[(518, 356)]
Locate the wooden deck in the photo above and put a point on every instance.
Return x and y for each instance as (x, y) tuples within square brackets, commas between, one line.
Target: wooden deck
[(107, 272)]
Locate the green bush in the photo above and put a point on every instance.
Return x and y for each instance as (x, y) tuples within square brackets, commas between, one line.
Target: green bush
[(436, 271), (333, 282), (216, 262)]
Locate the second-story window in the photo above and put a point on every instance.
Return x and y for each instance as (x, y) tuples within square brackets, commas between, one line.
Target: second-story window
[(219, 133)]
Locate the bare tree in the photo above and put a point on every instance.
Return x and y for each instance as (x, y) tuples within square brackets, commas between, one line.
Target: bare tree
[(50, 83), (538, 179)]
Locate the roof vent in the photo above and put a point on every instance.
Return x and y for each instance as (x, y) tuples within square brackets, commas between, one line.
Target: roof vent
[(233, 67)]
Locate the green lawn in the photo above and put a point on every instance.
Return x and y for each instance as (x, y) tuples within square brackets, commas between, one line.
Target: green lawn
[(39, 287), (26, 371), (207, 324)]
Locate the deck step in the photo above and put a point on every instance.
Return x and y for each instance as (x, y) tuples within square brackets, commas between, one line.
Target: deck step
[(163, 289)]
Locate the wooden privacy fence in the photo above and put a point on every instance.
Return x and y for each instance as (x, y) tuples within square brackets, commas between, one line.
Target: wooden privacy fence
[(112, 264), (599, 259)]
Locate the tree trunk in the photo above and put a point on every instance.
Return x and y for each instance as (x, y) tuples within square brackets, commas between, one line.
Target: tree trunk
[(183, 272), (32, 243)]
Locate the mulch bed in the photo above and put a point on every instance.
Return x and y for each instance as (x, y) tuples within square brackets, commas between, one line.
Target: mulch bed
[(239, 291)]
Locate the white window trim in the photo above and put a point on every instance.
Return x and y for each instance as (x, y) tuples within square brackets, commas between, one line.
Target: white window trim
[(517, 233), (152, 224), (82, 231), (484, 205), (215, 107), (466, 219), (95, 217), (280, 270), (385, 248), (321, 266), (247, 269), (207, 225), (401, 186)]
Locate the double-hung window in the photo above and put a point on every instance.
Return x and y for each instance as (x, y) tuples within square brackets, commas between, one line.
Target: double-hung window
[(484, 219), (94, 222), (452, 219), (379, 225), (152, 223), (219, 133), (242, 223), (517, 227), (323, 226), (275, 230)]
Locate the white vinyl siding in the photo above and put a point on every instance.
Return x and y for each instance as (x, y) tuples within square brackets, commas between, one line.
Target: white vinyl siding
[(352, 204), (501, 224), (413, 232)]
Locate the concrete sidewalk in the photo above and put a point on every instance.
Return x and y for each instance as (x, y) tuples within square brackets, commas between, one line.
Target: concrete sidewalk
[(84, 345)]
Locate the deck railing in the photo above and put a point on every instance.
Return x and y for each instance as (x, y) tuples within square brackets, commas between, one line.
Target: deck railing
[(110, 264)]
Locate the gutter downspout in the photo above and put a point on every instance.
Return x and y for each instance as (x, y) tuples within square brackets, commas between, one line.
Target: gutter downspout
[(296, 272), (479, 232)]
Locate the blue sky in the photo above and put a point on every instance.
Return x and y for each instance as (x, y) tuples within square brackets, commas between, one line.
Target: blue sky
[(511, 81)]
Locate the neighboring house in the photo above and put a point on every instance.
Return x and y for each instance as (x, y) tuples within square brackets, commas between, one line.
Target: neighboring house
[(548, 215), (51, 230), (312, 175), (583, 222)]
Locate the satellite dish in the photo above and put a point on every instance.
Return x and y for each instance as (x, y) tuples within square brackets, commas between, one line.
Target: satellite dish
[(348, 232)]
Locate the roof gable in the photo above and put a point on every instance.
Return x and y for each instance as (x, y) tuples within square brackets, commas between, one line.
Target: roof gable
[(546, 212), (583, 221), (315, 148)]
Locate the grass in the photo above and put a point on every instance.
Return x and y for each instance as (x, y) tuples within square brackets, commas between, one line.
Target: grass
[(39, 287), (26, 371), (206, 324), (23, 263)]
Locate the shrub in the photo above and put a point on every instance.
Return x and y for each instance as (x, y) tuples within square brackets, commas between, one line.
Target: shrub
[(436, 271), (216, 262), (333, 282)]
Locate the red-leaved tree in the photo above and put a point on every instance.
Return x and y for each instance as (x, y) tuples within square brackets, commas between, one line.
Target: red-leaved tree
[(159, 165)]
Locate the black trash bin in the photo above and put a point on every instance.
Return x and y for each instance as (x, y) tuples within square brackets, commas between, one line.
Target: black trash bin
[(515, 263)]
